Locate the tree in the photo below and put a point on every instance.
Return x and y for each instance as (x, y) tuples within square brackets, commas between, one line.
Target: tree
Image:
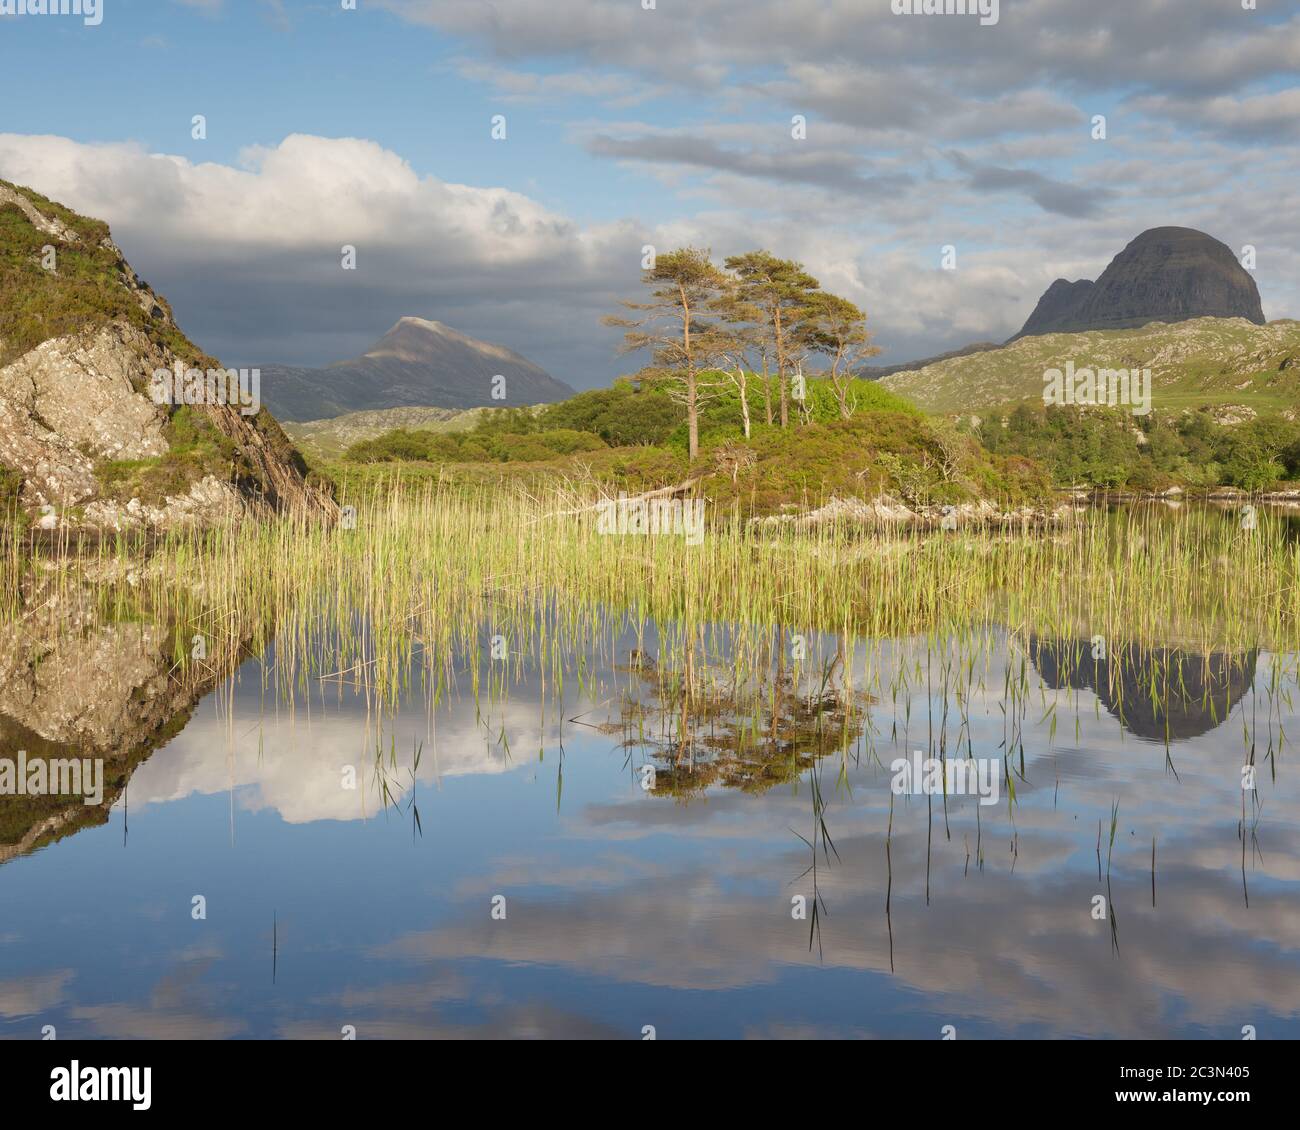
[(680, 325), (745, 336), (836, 327), (779, 289)]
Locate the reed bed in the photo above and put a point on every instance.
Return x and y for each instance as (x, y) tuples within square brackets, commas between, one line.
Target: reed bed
[(426, 579)]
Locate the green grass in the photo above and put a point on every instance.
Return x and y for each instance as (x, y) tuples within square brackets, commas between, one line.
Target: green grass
[(11, 482), (1202, 362), (88, 287)]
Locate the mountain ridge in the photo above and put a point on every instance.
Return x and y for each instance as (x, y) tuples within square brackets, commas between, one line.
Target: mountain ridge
[(417, 363)]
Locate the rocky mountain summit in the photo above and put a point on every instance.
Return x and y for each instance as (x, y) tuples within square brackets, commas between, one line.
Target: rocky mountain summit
[(1164, 275), (84, 442), (417, 363)]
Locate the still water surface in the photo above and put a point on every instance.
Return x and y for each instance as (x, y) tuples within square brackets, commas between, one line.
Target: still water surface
[(670, 899)]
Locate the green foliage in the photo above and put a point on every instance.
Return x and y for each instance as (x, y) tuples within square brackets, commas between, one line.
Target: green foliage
[(195, 449), (401, 445), (478, 446), (888, 446), (626, 415), (1116, 449), (899, 453), (720, 414), (88, 286)]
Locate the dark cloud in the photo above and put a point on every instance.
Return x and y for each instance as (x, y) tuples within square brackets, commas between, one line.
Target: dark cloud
[(795, 165), (1075, 201)]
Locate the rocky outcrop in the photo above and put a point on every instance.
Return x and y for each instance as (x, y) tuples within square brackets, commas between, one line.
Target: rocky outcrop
[(1164, 275), (887, 511), (78, 426), (1221, 360)]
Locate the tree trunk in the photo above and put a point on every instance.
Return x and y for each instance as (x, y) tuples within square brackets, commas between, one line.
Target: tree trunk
[(780, 365), (743, 381), (692, 415), (841, 385)]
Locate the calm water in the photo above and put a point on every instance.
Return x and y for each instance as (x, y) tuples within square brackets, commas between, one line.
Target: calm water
[(670, 902)]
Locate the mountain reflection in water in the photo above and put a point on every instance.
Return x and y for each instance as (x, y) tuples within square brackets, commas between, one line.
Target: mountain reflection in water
[(660, 897), (1159, 694)]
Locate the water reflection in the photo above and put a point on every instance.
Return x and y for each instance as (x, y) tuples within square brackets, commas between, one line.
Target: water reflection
[(1159, 694), (78, 679), (668, 905)]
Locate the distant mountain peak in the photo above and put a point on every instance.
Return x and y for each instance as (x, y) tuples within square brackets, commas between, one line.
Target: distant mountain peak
[(418, 363), (1166, 274), (411, 339)]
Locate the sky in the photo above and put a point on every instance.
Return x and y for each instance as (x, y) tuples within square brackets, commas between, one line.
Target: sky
[(628, 126)]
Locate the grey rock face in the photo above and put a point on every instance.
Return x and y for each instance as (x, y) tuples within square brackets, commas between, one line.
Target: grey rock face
[(78, 403), (1164, 275), (70, 401)]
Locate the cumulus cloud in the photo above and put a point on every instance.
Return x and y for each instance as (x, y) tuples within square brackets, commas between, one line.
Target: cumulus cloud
[(249, 252), (251, 255)]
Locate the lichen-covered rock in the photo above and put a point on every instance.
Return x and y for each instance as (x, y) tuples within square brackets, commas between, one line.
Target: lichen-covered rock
[(79, 429), (71, 402)]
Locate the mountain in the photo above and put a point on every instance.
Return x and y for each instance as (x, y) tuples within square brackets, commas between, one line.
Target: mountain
[(1205, 361), (876, 372), (83, 441), (1164, 275), (418, 363)]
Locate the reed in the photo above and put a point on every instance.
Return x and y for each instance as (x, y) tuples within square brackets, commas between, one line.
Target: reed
[(426, 578)]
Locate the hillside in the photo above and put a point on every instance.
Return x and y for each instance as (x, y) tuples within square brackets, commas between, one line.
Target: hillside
[(325, 440), (418, 363), (1226, 362), (83, 441)]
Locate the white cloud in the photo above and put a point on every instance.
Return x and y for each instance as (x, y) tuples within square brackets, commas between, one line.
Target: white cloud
[(249, 254)]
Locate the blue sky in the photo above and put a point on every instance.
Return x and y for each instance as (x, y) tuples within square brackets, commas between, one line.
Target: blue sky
[(628, 126)]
